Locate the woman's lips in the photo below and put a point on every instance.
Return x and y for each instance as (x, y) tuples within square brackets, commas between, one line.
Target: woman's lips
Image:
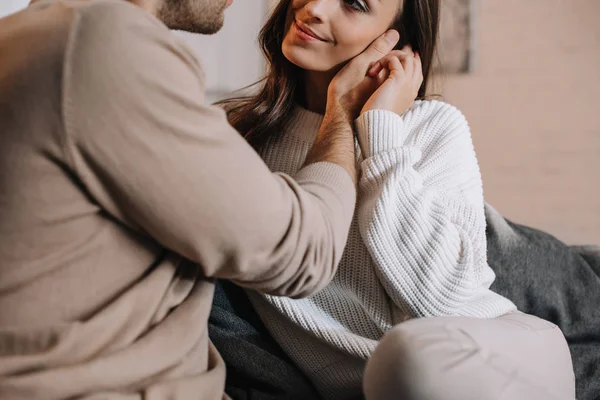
[(305, 33)]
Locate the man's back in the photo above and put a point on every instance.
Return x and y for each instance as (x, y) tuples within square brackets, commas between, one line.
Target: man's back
[(49, 223), (111, 165), (85, 300)]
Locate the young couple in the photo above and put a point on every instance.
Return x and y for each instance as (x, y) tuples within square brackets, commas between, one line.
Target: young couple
[(115, 174)]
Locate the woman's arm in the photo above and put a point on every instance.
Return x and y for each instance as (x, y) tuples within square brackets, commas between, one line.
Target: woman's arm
[(421, 209)]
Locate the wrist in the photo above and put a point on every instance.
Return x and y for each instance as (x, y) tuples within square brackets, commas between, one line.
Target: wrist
[(335, 142), (379, 131), (336, 115)]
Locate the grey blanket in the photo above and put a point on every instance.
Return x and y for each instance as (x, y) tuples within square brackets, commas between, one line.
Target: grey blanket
[(559, 283), (542, 275)]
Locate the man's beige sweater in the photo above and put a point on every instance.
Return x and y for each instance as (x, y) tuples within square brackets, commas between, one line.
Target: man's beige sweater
[(113, 174)]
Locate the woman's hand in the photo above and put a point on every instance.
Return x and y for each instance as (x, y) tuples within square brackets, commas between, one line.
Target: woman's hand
[(352, 86), (400, 75)]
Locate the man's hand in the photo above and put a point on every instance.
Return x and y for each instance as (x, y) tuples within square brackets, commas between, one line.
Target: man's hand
[(346, 95), (352, 86)]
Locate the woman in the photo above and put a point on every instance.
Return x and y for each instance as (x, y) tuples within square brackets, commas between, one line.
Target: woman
[(411, 295)]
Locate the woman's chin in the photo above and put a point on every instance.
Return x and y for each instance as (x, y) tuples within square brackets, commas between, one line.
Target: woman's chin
[(307, 62)]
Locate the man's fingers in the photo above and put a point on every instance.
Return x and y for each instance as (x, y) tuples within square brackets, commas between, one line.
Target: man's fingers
[(378, 49), (382, 45), (376, 68)]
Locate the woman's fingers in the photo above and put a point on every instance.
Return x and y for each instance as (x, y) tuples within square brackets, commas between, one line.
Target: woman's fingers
[(404, 66), (406, 56), (380, 64), (398, 65), (418, 72), (395, 66), (408, 63)]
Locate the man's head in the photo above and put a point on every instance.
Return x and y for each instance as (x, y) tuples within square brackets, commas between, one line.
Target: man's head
[(196, 16)]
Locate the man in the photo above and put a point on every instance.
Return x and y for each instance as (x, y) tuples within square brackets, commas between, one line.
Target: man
[(123, 196)]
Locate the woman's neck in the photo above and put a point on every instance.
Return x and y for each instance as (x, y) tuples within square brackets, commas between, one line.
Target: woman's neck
[(315, 90)]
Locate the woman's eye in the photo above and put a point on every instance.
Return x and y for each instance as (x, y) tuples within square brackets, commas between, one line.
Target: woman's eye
[(357, 5)]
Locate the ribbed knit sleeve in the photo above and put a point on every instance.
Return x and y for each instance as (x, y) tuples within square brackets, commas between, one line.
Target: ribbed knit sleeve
[(421, 212)]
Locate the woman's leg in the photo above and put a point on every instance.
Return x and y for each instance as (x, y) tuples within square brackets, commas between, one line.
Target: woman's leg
[(513, 357)]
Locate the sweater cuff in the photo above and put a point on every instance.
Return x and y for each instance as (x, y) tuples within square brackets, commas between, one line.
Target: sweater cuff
[(335, 178), (378, 131)]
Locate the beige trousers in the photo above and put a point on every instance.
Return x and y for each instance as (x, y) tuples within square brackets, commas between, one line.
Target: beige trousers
[(513, 357)]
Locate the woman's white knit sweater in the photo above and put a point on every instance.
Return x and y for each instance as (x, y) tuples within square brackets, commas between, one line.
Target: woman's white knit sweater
[(416, 248)]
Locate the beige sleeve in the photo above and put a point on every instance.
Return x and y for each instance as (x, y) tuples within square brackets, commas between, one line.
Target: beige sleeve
[(154, 156)]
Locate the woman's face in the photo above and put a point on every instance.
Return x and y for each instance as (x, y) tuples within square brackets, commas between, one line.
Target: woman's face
[(323, 34)]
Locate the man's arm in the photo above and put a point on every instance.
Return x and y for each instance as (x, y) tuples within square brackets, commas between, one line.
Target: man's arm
[(155, 157)]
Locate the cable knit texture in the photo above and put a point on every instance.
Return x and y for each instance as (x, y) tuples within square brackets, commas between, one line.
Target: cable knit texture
[(416, 247)]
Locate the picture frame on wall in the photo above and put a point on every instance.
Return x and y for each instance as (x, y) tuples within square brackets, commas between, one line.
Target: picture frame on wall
[(456, 46)]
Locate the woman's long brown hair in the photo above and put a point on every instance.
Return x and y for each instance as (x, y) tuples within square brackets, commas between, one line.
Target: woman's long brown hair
[(266, 113)]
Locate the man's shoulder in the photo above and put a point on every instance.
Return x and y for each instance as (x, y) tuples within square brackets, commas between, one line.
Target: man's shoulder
[(106, 12), (128, 60), (122, 33), (107, 20), (115, 12)]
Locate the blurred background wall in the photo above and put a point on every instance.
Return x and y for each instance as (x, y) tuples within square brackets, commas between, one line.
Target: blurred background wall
[(532, 97), (10, 6), (533, 102)]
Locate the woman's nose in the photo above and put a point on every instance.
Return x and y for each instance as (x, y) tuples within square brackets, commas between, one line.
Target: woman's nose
[(320, 10)]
